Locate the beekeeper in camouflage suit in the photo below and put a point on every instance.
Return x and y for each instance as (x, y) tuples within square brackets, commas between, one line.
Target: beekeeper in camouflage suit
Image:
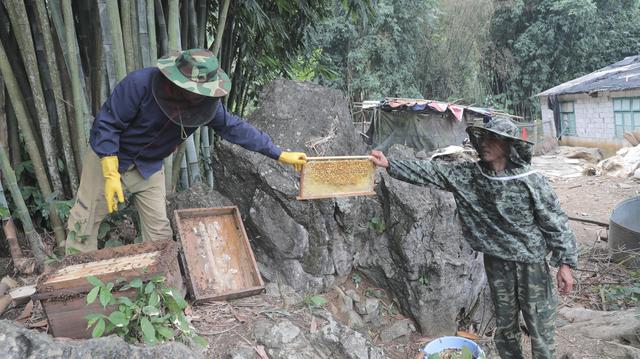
[(511, 214), (148, 114)]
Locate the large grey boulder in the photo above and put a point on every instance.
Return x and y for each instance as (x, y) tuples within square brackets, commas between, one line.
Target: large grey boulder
[(418, 254), (17, 342)]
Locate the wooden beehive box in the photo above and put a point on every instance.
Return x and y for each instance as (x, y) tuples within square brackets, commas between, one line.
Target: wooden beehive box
[(339, 176), (63, 289), (216, 254)]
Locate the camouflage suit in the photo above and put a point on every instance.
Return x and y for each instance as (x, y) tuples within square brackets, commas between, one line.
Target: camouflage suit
[(515, 219)]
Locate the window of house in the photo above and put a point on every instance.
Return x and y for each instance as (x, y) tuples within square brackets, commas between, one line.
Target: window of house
[(568, 118), (626, 114)]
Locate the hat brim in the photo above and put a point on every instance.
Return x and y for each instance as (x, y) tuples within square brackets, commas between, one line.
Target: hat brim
[(218, 87), (478, 131)]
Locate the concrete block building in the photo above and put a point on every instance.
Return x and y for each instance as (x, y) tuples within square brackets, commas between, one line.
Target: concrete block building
[(595, 110)]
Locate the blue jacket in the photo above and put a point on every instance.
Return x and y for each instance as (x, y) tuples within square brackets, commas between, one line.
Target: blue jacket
[(132, 126)]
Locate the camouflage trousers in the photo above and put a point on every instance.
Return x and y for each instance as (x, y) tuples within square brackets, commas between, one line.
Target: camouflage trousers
[(526, 287)]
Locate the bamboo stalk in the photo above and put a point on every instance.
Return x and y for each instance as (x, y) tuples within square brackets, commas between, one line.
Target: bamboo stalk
[(22, 211), (206, 155), (107, 43), (192, 161), (21, 28), (151, 28), (162, 28), (220, 28), (61, 13), (63, 124), (143, 34), (14, 133), (116, 36), (203, 11), (192, 23), (76, 86), (184, 172), (174, 26), (4, 124), (184, 24), (29, 141), (177, 163), (125, 21), (135, 40)]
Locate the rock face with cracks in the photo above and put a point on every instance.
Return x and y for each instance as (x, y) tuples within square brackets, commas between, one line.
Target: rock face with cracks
[(415, 249), (17, 342)]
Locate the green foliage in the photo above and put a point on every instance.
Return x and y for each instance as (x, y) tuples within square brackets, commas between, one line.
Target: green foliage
[(374, 292), (377, 224), (619, 297), (424, 280), (357, 279), (315, 301), (538, 44), (154, 316)]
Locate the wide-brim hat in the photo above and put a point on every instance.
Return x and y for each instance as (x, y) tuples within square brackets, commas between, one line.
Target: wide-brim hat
[(196, 70), (500, 127), (520, 152)]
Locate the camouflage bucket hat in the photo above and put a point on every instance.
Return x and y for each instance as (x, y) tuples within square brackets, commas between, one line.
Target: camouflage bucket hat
[(499, 127), (196, 70)]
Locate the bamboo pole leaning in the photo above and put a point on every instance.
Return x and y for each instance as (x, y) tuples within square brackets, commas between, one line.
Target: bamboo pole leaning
[(29, 141), (116, 36), (23, 213), (151, 28), (107, 44), (173, 33), (63, 123), (73, 65), (125, 21), (20, 24), (143, 34)]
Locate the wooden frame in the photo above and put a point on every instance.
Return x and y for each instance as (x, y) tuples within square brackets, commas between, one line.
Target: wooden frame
[(216, 255), (307, 190), (63, 289)]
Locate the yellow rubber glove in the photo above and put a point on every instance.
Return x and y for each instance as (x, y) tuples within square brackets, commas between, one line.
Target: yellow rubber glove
[(112, 184), (297, 159)]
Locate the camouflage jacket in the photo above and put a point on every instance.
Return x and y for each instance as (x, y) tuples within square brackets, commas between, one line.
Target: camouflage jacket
[(514, 214)]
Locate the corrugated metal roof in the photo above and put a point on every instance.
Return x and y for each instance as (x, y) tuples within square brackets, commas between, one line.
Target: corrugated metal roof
[(622, 75)]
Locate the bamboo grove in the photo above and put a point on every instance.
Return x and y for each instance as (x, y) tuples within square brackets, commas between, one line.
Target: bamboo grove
[(59, 60)]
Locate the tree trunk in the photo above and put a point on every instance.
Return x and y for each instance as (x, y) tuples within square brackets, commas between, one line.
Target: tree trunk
[(143, 34), (151, 28), (22, 211), (135, 40), (29, 141), (22, 30), (63, 123), (222, 21)]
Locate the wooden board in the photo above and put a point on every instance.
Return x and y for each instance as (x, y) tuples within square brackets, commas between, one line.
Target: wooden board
[(63, 289), (341, 176), (216, 254)]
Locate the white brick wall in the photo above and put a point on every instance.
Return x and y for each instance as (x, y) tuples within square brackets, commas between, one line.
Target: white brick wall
[(594, 115)]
